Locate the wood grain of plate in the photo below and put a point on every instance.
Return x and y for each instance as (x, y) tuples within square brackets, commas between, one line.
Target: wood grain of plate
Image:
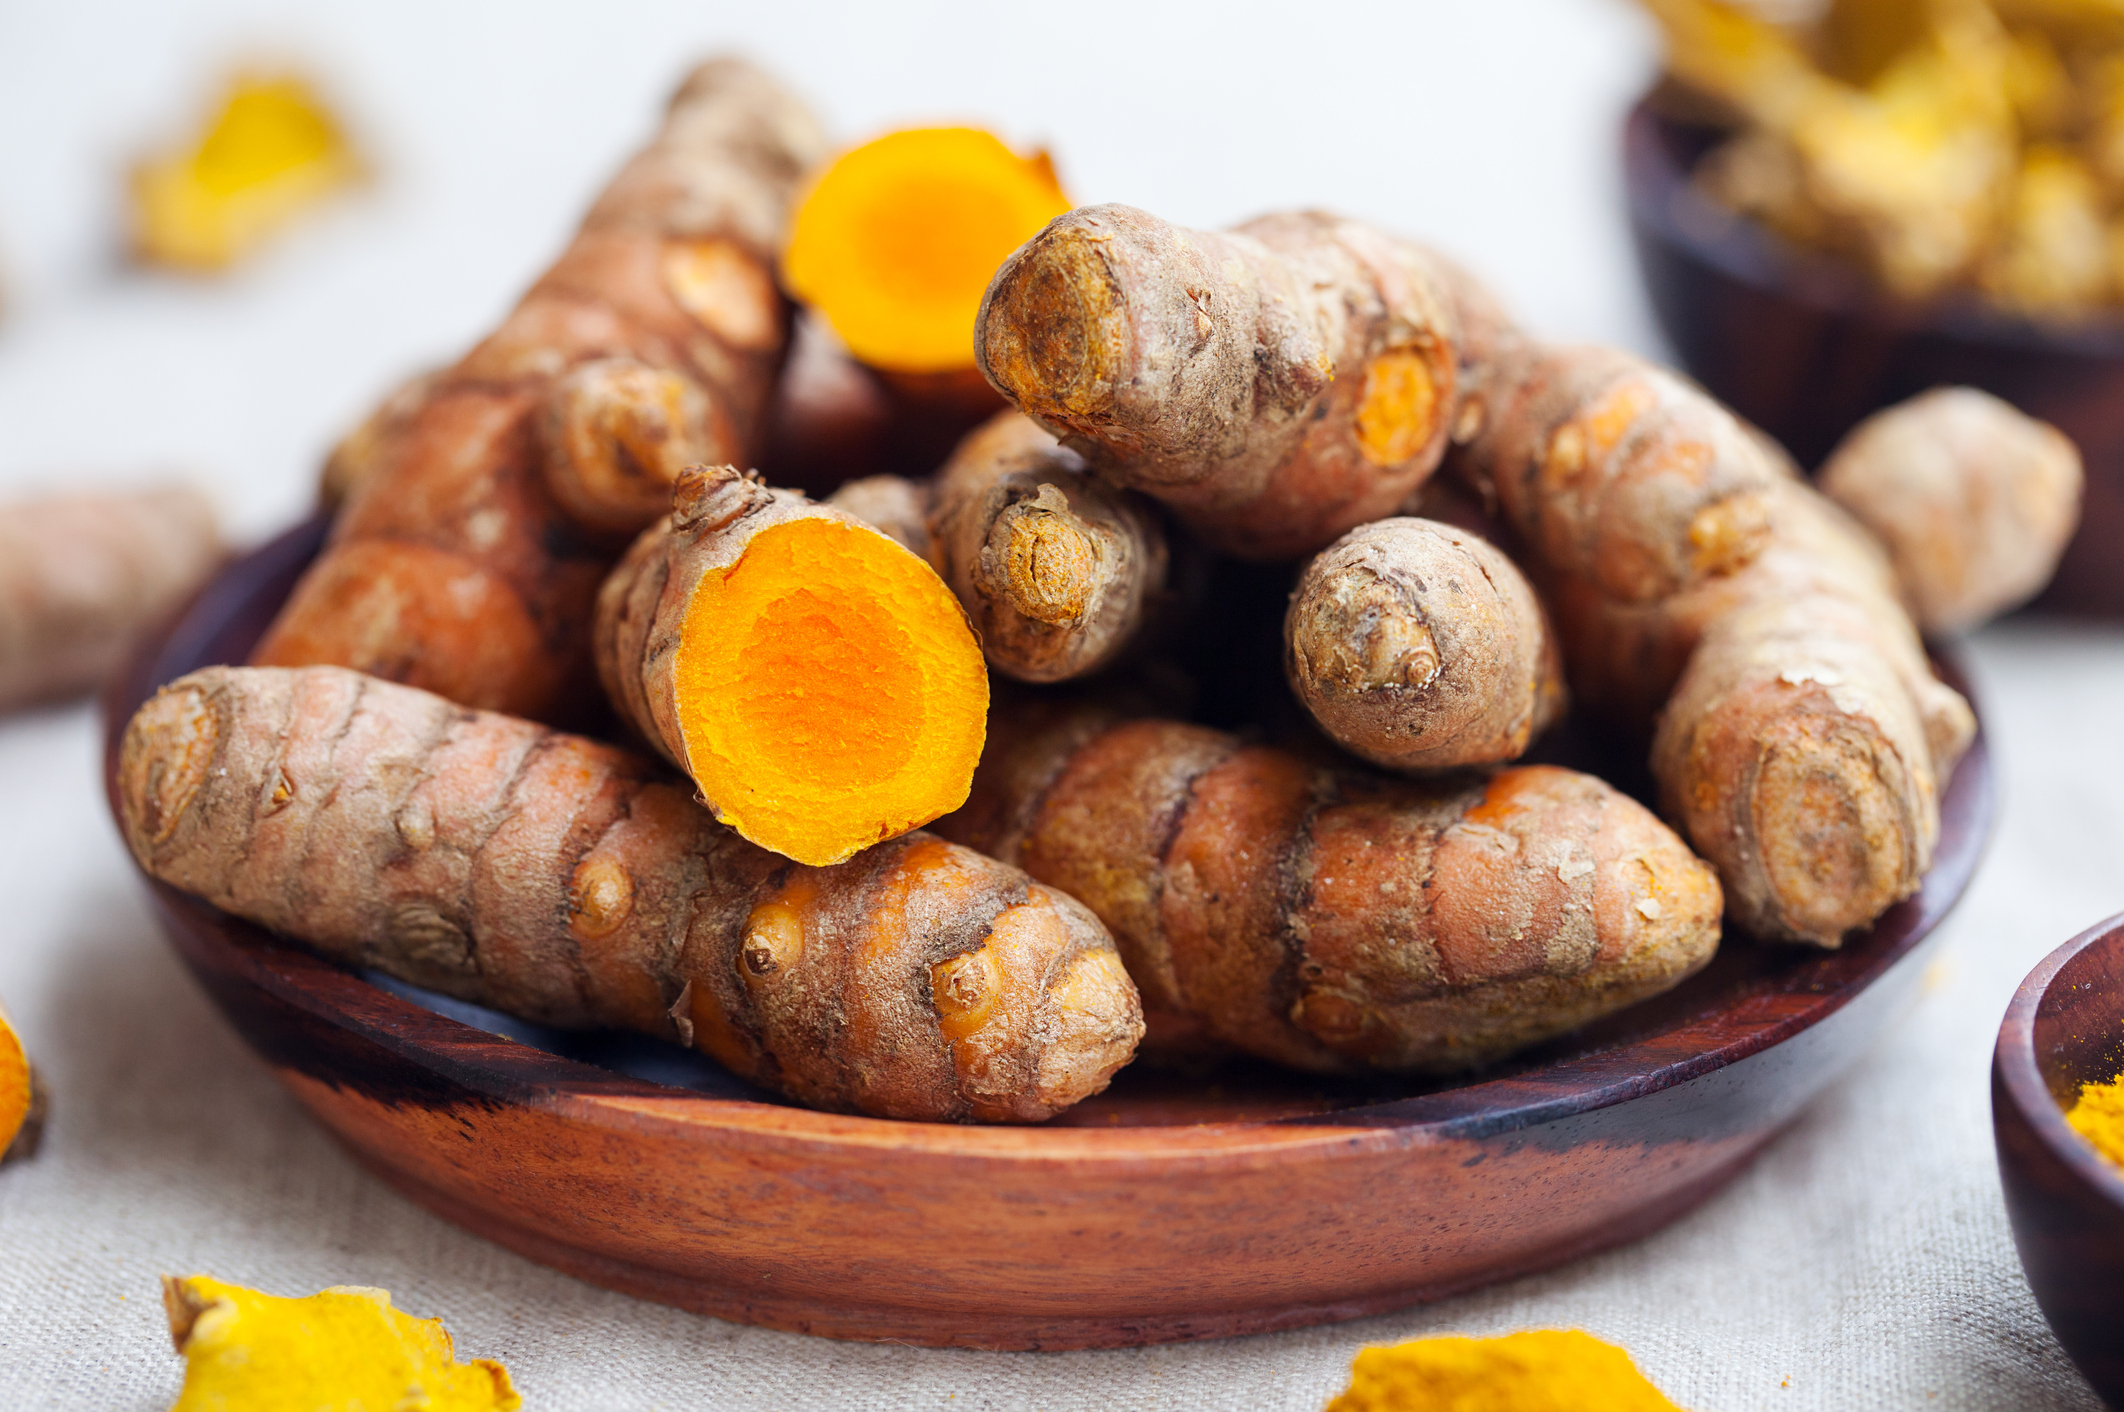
[(1174, 1206)]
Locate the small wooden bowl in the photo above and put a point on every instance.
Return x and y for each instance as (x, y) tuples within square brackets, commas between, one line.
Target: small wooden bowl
[(2065, 1028), (1802, 345), (1170, 1207)]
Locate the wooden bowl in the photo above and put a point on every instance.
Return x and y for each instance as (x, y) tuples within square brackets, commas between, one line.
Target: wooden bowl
[(2064, 1028), (1802, 345), (1171, 1207)]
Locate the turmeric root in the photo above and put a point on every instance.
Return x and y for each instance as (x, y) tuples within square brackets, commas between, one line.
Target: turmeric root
[(358, 454), (1804, 739), (273, 151), (343, 1349), (1277, 385), (896, 240), (573, 883), (1335, 921), (1057, 570), (894, 505), (21, 1097), (1973, 500), (470, 559), (1420, 647), (80, 575), (818, 682)]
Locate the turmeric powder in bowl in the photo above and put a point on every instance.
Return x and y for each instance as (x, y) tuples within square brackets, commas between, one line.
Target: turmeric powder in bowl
[(2098, 1116)]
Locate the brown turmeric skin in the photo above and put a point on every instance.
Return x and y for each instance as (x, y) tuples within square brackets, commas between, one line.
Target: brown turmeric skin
[(1058, 570), (1420, 647), (576, 884), (81, 575), (1973, 500), (469, 560), (1276, 385), (1336, 921), (817, 680), (1802, 737)]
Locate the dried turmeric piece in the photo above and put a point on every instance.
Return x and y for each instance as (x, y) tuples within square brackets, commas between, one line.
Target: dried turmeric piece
[(494, 498), (1337, 921), (1419, 646), (20, 1096), (273, 151), (1276, 385), (817, 680), (1540, 1370), (896, 240), (343, 1349), (576, 884)]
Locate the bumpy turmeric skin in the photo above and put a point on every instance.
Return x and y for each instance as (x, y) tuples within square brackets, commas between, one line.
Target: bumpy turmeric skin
[(578, 885), (819, 682), (469, 562), (1339, 922), (1974, 501), (1420, 647), (1275, 385), (341, 1348)]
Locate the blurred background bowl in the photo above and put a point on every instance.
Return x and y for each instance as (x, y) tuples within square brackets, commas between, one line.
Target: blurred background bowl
[(2065, 1028), (1803, 345)]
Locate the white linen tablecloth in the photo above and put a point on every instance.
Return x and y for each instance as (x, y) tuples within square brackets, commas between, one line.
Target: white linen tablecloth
[(1863, 1261)]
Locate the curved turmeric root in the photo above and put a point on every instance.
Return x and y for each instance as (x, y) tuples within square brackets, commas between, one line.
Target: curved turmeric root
[(573, 883), (1973, 500), (1803, 738), (896, 240), (469, 561), (1277, 385), (343, 1347), (1420, 647), (1335, 921), (80, 575), (819, 682), (1057, 569)]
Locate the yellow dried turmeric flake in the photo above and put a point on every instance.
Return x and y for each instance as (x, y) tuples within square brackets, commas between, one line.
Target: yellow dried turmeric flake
[(273, 151), (1544, 1370), (343, 1349)]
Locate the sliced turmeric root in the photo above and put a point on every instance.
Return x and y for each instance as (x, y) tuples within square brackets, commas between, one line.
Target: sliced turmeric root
[(896, 241), (817, 680), (17, 1089)]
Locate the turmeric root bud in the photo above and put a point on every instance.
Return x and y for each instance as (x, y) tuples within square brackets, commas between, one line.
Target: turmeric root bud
[(576, 884), (1420, 647), (1974, 501), (617, 432), (818, 682), (1058, 571)]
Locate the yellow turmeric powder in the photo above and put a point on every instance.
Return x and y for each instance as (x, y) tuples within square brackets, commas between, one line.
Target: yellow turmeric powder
[(1540, 1370), (2098, 1116)]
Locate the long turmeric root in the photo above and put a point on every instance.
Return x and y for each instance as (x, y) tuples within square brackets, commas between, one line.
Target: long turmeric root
[(81, 574), (1277, 385), (1335, 921), (1421, 647), (818, 681), (1974, 500), (469, 562), (575, 884), (1057, 570), (1803, 738)]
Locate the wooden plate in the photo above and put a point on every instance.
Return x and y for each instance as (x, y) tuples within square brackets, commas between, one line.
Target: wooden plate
[(1171, 1207), (1802, 345)]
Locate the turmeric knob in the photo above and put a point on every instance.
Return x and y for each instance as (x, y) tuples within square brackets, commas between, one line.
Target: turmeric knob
[(1420, 647), (616, 433)]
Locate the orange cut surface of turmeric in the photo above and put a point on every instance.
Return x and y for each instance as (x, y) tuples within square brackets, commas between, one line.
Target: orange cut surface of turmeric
[(848, 705), (343, 1349), (15, 1093), (273, 151), (1540, 1370), (895, 242)]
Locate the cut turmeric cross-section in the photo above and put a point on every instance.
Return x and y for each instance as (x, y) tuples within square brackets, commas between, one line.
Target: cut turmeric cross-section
[(896, 241), (818, 681)]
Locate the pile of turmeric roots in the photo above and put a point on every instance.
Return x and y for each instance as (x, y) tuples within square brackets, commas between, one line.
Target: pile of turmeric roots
[(563, 532)]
